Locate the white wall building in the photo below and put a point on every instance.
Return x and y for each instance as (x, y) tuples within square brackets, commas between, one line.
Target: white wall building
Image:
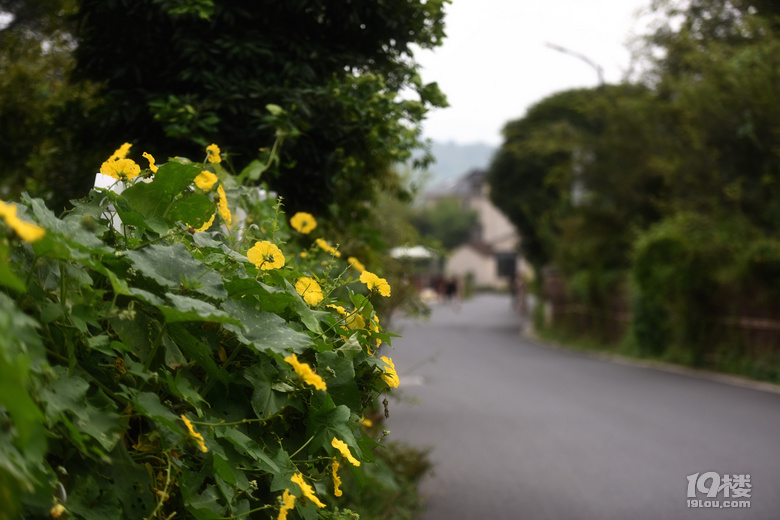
[(491, 254)]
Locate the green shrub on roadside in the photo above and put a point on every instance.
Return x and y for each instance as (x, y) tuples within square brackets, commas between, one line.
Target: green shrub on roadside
[(173, 347)]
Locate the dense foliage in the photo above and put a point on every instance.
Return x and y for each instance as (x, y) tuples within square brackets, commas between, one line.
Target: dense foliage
[(177, 345), (182, 74)]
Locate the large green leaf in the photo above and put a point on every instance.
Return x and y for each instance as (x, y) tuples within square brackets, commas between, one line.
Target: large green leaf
[(194, 209), (266, 400), (264, 330), (173, 266), (327, 422), (154, 199), (190, 309)]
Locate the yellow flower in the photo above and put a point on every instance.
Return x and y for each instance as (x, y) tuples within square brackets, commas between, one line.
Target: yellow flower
[(303, 222), (344, 450), (356, 264), (390, 376), (306, 373), (373, 282), (353, 320), (309, 289), (374, 326), (198, 437), (307, 490), (120, 168), (213, 152), (27, 231), (222, 205), (265, 255), (205, 180), (57, 511), (368, 423), (288, 502), (327, 247), (207, 225), (323, 244), (121, 152), (336, 479), (150, 158)]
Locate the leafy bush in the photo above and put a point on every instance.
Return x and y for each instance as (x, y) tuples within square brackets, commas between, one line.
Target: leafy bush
[(171, 346), (682, 264)]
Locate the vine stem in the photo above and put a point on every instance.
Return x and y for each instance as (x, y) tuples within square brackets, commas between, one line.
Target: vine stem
[(165, 489), (304, 445)]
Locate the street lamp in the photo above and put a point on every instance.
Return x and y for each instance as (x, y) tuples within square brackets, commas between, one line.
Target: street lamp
[(599, 70)]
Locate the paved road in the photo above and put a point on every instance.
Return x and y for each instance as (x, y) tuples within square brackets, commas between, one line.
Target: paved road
[(522, 431)]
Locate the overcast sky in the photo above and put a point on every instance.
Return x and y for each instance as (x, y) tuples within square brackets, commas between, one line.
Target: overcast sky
[(494, 62)]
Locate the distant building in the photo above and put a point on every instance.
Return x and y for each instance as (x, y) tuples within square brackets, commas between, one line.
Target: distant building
[(490, 258)]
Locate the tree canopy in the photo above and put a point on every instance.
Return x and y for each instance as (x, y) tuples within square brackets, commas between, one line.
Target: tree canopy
[(180, 75)]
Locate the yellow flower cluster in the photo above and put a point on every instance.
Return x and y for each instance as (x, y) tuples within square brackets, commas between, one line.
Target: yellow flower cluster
[(310, 290), (390, 376), (213, 154), (205, 180), (266, 256), (306, 373), (307, 490), (303, 222), (118, 166), (344, 450), (27, 231), (195, 435), (374, 283)]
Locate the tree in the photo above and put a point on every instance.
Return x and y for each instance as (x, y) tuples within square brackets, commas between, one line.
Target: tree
[(445, 222), (37, 103), (182, 74)]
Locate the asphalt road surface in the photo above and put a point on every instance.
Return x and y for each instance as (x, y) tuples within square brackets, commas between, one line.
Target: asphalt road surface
[(523, 431)]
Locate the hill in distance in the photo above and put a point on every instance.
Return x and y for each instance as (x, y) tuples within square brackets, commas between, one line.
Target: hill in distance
[(454, 160)]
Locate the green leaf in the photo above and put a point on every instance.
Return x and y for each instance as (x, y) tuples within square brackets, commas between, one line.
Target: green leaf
[(329, 422), (150, 406), (194, 210), (181, 387), (173, 266), (7, 277), (94, 498), (64, 393), (248, 447), (334, 369), (266, 401), (350, 348), (189, 309), (155, 198), (252, 171), (15, 398), (197, 349), (263, 330)]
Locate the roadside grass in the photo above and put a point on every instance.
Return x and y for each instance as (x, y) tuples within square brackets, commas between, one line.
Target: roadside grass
[(726, 359)]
